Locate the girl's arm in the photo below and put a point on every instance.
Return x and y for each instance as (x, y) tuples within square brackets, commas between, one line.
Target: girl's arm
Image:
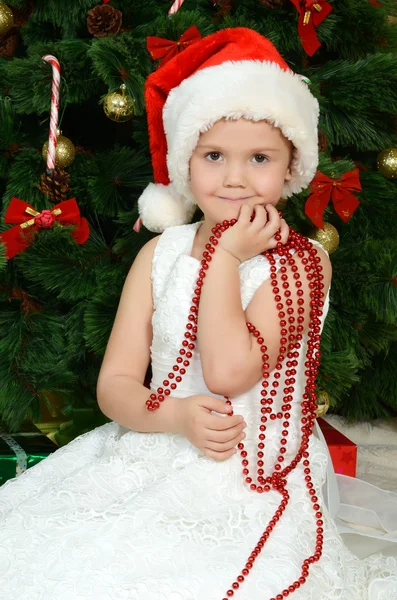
[(120, 390), (230, 355)]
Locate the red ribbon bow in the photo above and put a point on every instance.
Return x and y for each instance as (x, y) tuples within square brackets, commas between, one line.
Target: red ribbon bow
[(18, 238), (311, 14), (167, 49), (324, 188)]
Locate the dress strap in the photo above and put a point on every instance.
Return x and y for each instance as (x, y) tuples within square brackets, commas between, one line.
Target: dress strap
[(172, 243)]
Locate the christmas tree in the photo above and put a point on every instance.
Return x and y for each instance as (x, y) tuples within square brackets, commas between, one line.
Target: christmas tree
[(60, 286)]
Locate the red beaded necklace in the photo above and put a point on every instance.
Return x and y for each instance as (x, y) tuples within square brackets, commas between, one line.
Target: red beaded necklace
[(276, 481)]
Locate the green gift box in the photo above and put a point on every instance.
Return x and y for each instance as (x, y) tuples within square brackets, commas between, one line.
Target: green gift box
[(21, 450)]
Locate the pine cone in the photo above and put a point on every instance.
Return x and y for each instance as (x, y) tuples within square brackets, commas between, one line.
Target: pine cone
[(56, 185), (9, 43), (104, 19)]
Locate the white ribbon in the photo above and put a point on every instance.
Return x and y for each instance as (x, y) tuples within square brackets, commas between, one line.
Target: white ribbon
[(22, 459)]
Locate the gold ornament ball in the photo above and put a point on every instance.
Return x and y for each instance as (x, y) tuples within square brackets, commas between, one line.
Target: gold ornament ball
[(328, 238), (387, 163), (119, 106), (6, 19), (64, 153), (322, 404)]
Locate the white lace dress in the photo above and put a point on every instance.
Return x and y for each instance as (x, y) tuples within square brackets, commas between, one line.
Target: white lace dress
[(118, 514)]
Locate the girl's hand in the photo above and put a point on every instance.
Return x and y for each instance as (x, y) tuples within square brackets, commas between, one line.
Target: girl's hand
[(247, 239), (214, 435)]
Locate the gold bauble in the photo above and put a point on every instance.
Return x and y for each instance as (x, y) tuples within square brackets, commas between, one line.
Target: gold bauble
[(6, 19), (119, 106), (322, 404), (64, 152), (328, 238), (387, 163)]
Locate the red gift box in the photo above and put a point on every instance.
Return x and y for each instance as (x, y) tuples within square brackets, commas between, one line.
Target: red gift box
[(342, 450)]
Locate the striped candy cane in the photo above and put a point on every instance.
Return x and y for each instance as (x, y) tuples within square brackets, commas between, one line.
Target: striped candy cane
[(175, 7), (52, 141)]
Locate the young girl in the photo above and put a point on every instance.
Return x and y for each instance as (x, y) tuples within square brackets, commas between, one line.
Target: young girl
[(155, 505)]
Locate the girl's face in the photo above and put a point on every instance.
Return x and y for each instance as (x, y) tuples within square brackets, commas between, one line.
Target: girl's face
[(239, 162)]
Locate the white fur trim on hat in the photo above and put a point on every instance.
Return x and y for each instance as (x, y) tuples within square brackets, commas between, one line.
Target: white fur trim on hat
[(161, 206), (251, 89)]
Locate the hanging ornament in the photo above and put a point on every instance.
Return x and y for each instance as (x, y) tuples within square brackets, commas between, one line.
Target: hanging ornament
[(175, 7), (311, 14), (64, 152), (166, 49), (387, 163), (104, 19), (322, 404), (6, 19), (328, 237), (324, 188), (55, 185), (119, 106), (19, 237), (56, 78)]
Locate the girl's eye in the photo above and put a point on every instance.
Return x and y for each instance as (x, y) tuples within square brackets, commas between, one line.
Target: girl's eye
[(260, 158), (213, 156)]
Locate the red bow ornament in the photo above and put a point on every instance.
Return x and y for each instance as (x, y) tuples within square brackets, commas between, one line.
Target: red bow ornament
[(167, 49), (341, 190), (311, 14), (18, 238)]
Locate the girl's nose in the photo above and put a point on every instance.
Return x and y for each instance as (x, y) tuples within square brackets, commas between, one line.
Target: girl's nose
[(234, 176)]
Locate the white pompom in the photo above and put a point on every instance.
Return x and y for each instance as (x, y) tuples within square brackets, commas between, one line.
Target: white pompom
[(160, 206)]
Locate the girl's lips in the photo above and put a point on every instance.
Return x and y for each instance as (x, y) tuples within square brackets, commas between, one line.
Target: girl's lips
[(234, 199)]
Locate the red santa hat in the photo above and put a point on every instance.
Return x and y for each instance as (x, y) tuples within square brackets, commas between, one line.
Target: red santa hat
[(232, 73)]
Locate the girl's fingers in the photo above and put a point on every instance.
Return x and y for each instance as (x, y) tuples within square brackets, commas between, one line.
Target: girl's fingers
[(224, 435), (284, 231), (224, 446), (260, 219), (216, 423), (273, 224), (245, 214)]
